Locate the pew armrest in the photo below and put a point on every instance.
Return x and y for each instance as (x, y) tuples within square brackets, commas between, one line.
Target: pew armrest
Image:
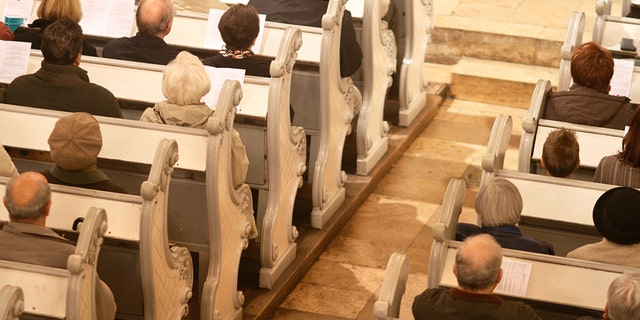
[(393, 287)]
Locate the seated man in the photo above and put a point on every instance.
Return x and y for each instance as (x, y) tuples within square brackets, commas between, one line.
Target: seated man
[(478, 270), (616, 216), (239, 27), (154, 19), (27, 239), (588, 101), (75, 143), (309, 13), (61, 84), (623, 299), (561, 153), (499, 205)]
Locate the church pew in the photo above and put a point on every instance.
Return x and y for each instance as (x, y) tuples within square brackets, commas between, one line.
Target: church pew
[(573, 39), (276, 155), (554, 209), (566, 293), (221, 241), (595, 142), (387, 307), (54, 292), (166, 273), (11, 302), (336, 99)]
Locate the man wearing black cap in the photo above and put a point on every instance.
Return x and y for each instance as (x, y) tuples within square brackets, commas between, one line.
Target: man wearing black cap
[(616, 216)]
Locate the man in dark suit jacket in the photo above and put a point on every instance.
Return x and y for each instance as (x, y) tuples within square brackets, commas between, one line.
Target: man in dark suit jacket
[(309, 13), (154, 19)]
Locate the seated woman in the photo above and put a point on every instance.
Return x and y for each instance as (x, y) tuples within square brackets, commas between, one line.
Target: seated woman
[(616, 216), (623, 169), (239, 27), (48, 12), (499, 206), (588, 101), (184, 83)]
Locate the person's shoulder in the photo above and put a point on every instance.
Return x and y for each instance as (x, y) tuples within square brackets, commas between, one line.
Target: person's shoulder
[(519, 310)]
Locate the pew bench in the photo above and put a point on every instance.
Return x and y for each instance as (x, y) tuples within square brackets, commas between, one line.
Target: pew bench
[(53, 292), (387, 306), (276, 149), (595, 142), (227, 211), (137, 229), (554, 209), (557, 284)]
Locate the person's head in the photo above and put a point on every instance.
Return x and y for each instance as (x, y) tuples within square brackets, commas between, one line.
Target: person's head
[(184, 80), (75, 141), (239, 27), (478, 263), (561, 153), (630, 153), (499, 203), (28, 198), (623, 298), (53, 10), (5, 32), (62, 42), (155, 17), (616, 215), (592, 67)]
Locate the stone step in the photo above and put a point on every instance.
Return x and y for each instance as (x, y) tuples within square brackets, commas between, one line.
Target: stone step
[(494, 82)]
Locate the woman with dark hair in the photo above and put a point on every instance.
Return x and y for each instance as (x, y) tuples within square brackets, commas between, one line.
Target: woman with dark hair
[(623, 169)]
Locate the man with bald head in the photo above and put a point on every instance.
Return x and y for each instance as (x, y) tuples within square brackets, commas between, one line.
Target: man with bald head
[(478, 271), (26, 238), (154, 19)]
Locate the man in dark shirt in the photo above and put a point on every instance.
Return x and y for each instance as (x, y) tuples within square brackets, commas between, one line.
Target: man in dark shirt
[(478, 270), (154, 19), (61, 84), (309, 13)]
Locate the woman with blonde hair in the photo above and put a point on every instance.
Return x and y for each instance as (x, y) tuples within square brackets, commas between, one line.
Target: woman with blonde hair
[(48, 12), (184, 83)]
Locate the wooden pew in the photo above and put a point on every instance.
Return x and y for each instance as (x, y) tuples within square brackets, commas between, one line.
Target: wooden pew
[(276, 155), (417, 17), (595, 142), (166, 273), (573, 39), (554, 209), (60, 293), (11, 302), (221, 241), (564, 295), (387, 306)]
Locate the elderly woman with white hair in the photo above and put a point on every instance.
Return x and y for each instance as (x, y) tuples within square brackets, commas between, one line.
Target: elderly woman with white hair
[(499, 206), (184, 83)]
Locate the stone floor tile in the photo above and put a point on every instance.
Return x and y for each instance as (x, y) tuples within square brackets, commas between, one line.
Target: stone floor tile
[(360, 252), (344, 276), (288, 314), (327, 300)]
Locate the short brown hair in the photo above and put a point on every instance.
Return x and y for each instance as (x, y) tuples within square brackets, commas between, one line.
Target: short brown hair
[(592, 67), (239, 26), (561, 152), (62, 42)]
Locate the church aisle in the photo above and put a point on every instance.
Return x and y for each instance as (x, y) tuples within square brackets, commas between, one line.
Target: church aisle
[(398, 216)]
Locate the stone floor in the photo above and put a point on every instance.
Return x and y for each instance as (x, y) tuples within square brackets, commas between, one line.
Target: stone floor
[(399, 214)]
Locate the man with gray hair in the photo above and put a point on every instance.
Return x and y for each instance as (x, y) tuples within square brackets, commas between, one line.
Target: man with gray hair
[(26, 238), (478, 271), (154, 19), (623, 299)]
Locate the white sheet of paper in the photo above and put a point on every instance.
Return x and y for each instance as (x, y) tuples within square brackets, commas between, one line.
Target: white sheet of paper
[(18, 8), (14, 59), (217, 76), (213, 39), (621, 80), (113, 18), (515, 277)]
